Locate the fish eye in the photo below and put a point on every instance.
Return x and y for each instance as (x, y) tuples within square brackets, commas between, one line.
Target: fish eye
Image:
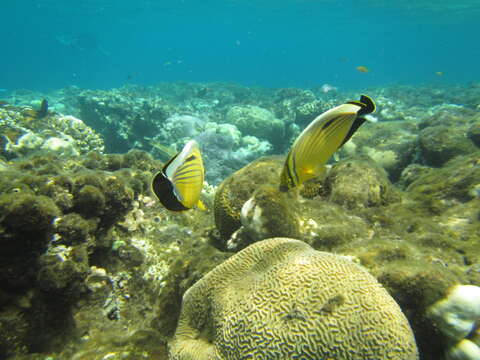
[(16, 190)]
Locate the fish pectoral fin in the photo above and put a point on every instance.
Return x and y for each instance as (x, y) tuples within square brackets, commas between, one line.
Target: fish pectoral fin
[(308, 173), (200, 205)]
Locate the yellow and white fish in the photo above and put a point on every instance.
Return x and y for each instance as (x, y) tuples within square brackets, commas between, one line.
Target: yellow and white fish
[(179, 184), (317, 143)]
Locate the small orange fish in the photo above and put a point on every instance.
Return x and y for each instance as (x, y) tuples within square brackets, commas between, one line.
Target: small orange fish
[(362, 69)]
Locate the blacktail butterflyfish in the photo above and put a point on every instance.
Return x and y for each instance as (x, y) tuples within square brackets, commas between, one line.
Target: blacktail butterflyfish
[(179, 184), (320, 139)]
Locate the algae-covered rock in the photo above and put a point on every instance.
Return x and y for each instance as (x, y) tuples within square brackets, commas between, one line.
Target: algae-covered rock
[(392, 145), (235, 190), (415, 286), (63, 269), (326, 226), (56, 220), (23, 212), (359, 182), (14, 332), (411, 173), (73, 229), (474, 133), (458, 180), (439, 144), (25, 222), (99, 194), (279, 298), (268, 213)]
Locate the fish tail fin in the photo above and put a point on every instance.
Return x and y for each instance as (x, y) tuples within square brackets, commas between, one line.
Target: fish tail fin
[(368, 105)]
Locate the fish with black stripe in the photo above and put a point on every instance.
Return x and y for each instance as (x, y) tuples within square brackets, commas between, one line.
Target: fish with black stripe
[(320, 139), (179, 184)]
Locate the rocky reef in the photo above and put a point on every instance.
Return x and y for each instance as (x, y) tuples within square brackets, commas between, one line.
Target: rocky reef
[(92, 267), (23, 133), (419, 242), (84, 249), (148, 119)]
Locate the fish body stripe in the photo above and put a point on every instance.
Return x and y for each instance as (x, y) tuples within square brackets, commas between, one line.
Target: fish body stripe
[(179, 174), (291, 166)]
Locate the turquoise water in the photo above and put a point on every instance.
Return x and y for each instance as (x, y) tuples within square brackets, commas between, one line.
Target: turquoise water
[(93, 267), (49, 44)]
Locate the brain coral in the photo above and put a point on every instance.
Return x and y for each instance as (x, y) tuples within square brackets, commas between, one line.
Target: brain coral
[(281, 299)]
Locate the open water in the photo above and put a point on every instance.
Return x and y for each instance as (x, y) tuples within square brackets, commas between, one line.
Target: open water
[(48, 44)]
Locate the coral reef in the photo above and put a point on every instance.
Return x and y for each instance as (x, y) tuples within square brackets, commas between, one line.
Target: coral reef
[(300, 106), (234, 191), (92, 267), (223, 146), (256, 121), (359, 182), (55, 215), (85, 250), (149, 120), (24, 135), (418, 242), (123, 117), (457, 315), (279, 298)]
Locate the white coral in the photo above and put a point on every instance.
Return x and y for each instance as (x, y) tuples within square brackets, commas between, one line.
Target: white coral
[(457, 316), (65, 146)]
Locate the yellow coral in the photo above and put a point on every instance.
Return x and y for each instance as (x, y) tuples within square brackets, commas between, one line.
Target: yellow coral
[(281, 299)]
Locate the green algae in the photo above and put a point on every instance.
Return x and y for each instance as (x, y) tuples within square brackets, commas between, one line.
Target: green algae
[(21, 212), (455, 181)]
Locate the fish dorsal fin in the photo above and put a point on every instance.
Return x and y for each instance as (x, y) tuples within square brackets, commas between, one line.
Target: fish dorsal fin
[(367, 105)]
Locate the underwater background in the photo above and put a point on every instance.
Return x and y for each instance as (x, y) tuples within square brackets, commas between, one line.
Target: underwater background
[(100, 44), (377, 257)]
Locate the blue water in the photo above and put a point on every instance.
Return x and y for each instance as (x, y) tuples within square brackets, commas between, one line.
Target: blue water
[(47, 44)]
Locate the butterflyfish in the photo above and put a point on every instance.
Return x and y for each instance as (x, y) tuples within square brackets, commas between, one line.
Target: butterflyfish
[(320, 139), (179, 184)]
